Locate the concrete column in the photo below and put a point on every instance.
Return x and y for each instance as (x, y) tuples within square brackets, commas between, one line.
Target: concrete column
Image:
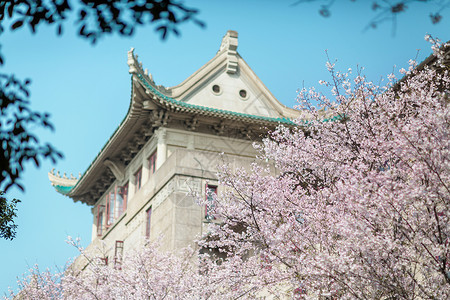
[(161, 153), (94, 229), (145, 170), (131, 187)]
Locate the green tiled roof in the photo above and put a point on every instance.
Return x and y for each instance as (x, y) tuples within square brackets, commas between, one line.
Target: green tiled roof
[(63, 189), (210, 109)]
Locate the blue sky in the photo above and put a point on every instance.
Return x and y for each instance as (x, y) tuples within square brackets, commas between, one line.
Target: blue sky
[(86, 89)]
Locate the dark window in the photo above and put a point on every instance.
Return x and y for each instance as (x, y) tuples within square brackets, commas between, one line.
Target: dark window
[(299, 217), (116, 203), (243, 93), (211, 191), (100, 212), (152, 163), (110, 200), (148, 219), (122, 195), (216, 89), (118, 254), (104, 260), (138, 179)]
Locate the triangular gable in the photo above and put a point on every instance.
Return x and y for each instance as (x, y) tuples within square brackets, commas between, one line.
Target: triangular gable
[(226, 82)]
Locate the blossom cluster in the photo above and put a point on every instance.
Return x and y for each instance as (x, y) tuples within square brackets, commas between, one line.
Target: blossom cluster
[(351, 203)]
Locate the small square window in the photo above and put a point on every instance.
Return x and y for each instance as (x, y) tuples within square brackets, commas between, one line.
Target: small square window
[(104, 260)]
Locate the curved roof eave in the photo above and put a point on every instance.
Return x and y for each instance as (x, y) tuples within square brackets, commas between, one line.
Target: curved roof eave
[(172, 104), (96, 161)]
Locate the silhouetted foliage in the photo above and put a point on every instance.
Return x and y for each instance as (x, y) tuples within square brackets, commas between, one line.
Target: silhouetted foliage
[(94, 18), (386, 10), (7, 215), (19, 144)]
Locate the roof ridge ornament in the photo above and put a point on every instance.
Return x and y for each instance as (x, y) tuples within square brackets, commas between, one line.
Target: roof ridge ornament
[(132, 62), (135, 68), (230, 44)]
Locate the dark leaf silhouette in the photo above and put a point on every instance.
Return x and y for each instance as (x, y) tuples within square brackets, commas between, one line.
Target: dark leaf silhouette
[(8, 211), (16, 25), (386, 10)]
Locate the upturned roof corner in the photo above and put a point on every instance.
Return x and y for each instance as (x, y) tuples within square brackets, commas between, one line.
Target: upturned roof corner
[(135, 67), (62, 184), (132, 62)]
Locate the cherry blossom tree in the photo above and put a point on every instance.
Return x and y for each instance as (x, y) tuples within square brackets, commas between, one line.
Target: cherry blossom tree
[(358, 207), (143, 273), (351, 202)]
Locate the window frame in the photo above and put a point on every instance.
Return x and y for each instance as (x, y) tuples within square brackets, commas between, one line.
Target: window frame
[(210, 202), (100, 213), (152, 162), (118, 254), (109, 210), (121, 191), (113, 210), (138, 179)]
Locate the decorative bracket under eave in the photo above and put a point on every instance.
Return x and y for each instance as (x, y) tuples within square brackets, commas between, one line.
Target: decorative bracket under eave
[(229, 44), (116, 168)]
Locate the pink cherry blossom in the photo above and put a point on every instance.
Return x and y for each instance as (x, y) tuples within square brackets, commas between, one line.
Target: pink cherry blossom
[(350, 203)]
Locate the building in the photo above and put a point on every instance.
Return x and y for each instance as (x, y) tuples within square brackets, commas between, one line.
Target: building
[(168, 145)]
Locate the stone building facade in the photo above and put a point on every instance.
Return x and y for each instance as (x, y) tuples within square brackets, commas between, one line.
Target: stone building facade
[(169, 145)]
